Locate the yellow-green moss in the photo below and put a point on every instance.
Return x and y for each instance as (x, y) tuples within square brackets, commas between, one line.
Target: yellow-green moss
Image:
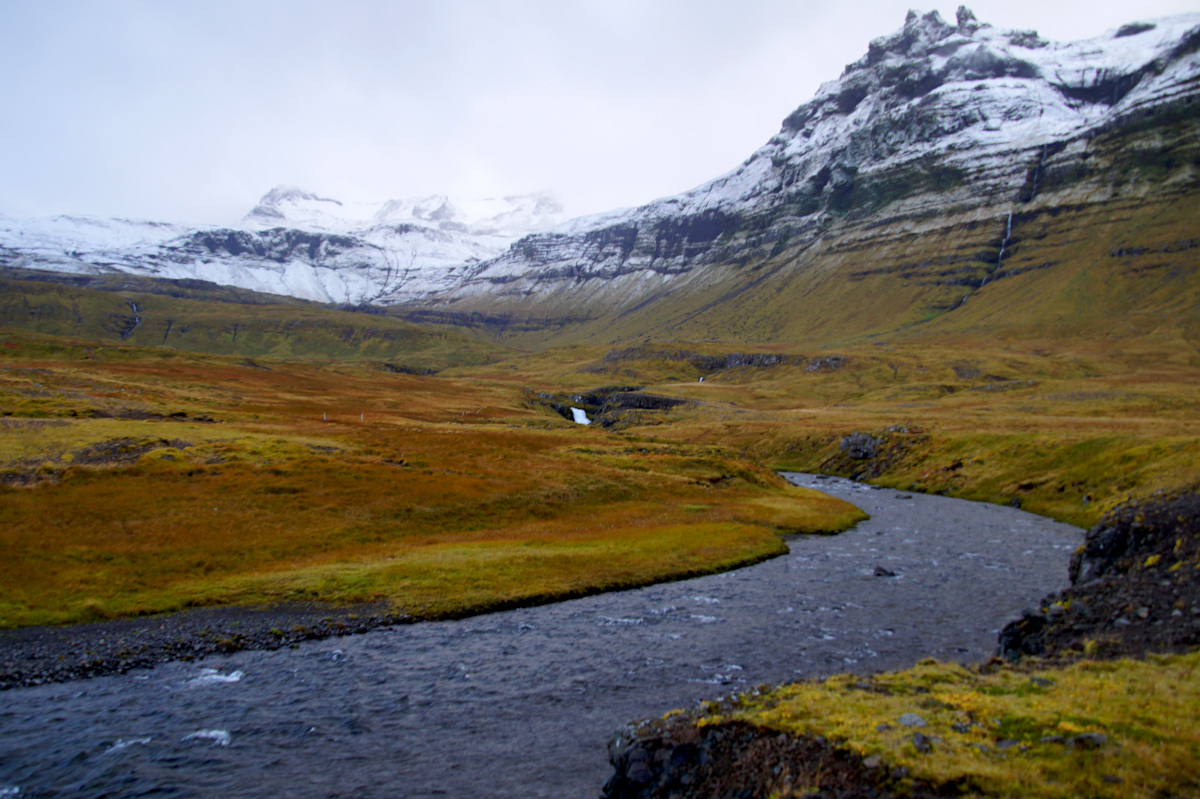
[(1010, 733)]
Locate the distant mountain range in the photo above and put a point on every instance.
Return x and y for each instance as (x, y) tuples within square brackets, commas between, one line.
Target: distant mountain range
[(295, 243), (946, 163)]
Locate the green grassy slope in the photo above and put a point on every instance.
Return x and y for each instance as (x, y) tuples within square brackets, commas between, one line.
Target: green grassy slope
[(230, 322)]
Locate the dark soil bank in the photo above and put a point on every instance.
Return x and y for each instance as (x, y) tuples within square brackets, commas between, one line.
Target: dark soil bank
[(1135, 588), (734, 759), (522, 703)]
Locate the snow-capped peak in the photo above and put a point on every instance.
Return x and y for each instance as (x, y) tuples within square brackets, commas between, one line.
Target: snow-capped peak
[(284, 202), (295, 242), (934, 117), (507, 217)]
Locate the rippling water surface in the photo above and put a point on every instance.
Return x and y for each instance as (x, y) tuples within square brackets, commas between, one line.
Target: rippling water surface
[(521, 703)]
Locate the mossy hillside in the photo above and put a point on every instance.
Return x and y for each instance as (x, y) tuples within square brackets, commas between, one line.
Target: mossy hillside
[(1119, 729), (124, 282), (1104, 249), (1069, 271), (284, 329), (1059, 280)]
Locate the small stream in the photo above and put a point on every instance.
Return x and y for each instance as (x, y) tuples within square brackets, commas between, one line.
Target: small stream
[(521, 703)]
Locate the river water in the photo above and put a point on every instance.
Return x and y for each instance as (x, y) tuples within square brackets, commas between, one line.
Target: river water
[(521, 703)]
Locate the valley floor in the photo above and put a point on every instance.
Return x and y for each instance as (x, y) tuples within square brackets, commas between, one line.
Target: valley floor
[(342, 493)]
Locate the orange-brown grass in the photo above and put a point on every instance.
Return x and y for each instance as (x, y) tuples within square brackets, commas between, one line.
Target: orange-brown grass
[(277, 481), (446, 494)]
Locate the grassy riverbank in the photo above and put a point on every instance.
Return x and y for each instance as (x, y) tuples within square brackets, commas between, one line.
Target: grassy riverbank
[(1114, 729), (140, 480), (1081, 719)]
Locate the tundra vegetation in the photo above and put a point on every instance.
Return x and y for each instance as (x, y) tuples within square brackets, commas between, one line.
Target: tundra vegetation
[(139, 480), (1105, 729)]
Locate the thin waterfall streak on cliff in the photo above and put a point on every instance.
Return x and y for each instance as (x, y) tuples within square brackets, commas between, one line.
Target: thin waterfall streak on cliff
[(1003, 246)]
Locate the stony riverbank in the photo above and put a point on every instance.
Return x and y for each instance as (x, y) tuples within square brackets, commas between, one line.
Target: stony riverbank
[(38, 655), (1135, 588)]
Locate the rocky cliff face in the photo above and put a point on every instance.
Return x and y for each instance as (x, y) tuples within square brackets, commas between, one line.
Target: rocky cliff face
[(961, 122)]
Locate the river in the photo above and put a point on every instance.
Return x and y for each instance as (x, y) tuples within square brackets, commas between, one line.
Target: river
[(521, 703)]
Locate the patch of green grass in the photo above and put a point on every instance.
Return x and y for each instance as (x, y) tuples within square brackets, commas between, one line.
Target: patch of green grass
[(279, 329)]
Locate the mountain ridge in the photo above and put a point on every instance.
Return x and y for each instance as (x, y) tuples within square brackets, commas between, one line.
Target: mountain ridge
[(294, 243), (965, 114)]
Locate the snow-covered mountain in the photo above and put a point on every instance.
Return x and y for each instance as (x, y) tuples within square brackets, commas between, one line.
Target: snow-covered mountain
[(960, 120), (939, 128), (296, 243)]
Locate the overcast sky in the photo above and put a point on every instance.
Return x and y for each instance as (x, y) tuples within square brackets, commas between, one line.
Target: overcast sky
[(190, 111)]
